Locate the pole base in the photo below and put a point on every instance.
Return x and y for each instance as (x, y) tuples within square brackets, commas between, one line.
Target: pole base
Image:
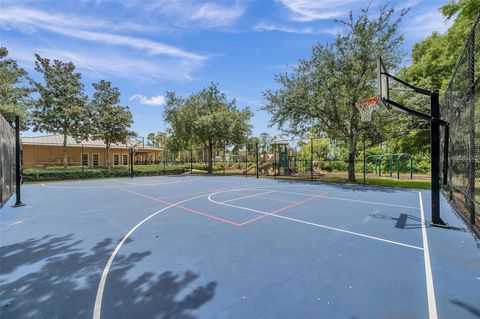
[(18, 205), (440, 224)]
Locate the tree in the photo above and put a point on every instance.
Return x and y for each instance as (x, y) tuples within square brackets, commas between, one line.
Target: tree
[(157, 139), (14, 94), (319, 95), (207, 117), (61, 106), (110, 121)]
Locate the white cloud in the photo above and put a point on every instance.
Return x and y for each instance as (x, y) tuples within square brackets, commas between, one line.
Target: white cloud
[(208, 14), (107, 64), (423, 24), (70, 26), (217, 15), (154, 100), (264, 27), (308, 10), (21, 16)]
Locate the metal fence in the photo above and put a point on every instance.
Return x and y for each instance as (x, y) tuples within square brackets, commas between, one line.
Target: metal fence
[(461, 107), (391, 155), (7, 160), (395, 155)]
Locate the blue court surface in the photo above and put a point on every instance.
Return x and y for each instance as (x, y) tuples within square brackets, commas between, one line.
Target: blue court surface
[(232, 247)]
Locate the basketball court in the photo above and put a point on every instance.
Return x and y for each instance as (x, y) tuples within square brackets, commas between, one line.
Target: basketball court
[(233, 247)]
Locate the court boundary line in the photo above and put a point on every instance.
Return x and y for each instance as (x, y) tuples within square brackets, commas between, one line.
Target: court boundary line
[(314, 224), (432, 304)]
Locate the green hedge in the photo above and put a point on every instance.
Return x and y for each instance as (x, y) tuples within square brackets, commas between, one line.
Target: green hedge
[(58, 174)]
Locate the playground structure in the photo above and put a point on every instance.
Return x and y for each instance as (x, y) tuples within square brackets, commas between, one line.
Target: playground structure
[(396, 157), (283, 161)]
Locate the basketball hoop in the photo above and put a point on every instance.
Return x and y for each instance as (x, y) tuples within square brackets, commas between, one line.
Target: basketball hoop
[(366, 108), (134, 142)]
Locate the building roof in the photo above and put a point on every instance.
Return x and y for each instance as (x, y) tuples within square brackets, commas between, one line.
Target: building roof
[(57, 140)]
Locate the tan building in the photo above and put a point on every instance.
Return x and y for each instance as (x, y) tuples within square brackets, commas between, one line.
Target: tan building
[(47, 151)]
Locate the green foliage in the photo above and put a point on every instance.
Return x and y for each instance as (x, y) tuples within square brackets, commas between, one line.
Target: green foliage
[(157, 139), (75, 173), (319, 95), (206, 117), (61, 106), (110, 122), (14, 93)]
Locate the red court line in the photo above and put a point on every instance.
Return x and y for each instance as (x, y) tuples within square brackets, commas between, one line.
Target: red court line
[(283, 208), (181, 207)]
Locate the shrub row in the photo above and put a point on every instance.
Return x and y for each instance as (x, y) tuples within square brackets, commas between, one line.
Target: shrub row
[(40, 175)]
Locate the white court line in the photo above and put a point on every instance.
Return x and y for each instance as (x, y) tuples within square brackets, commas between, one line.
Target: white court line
[(432, 305), (97, 310), (101, 286), (349, 199), (247, 196), (314, 224)]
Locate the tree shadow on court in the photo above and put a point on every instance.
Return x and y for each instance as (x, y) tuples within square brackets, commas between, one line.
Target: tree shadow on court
[(54, 277), (473, 310)]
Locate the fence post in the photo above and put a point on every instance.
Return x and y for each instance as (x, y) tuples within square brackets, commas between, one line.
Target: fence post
[(471, 151), (81, 159), (18, 168), (256, 157), (311, 158), (246, 161), (131, 162), (191, 160), (224, 157), (164, 161), (275, 160), (364, 159)]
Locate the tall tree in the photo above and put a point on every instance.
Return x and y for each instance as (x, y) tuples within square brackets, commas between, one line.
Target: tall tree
[(207, 117), (319, 95), (110, 121), (157, 139), (14, 91), (61, 106)]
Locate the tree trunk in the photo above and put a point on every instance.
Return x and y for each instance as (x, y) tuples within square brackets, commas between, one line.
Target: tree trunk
[(65, 155), (107, 158), (210, 156), (352, 148)]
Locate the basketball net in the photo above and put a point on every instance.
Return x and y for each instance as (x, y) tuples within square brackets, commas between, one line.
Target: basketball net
[(366, 108)]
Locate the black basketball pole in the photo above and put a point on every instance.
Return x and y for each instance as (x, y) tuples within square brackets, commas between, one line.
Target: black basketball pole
[(18, 168), (435, 158)]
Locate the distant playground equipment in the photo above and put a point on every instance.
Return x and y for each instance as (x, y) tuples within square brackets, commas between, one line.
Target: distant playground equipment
[(279, 159), (397, 157)]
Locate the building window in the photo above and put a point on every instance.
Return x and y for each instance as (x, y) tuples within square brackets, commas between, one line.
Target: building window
[(125, 159), (95, 159), (84, 159), (116, 159)]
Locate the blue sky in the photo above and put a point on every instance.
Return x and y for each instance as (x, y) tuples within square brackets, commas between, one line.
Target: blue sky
[(148, 47)]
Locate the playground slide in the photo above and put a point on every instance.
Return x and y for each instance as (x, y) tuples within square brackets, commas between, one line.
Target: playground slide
[(261, 165)]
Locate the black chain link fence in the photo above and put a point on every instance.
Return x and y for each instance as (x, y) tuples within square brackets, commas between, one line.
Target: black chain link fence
[(461, 107), (7, 160), (395, 155)]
